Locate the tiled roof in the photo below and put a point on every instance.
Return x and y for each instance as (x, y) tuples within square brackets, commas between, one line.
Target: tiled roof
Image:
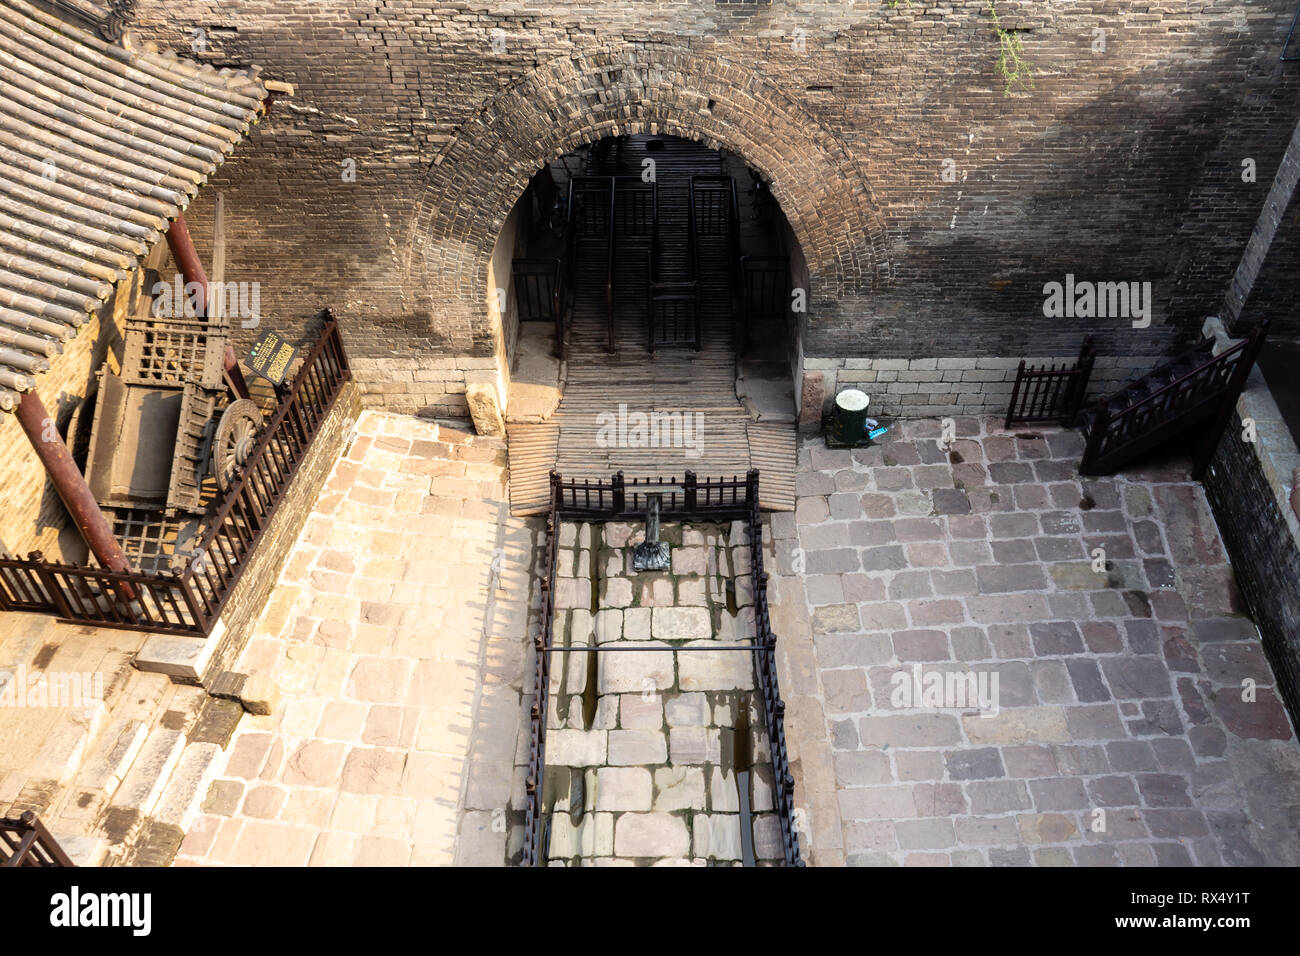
[(100, 148)]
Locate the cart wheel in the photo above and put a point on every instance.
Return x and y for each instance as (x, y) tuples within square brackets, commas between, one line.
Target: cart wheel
[(236, 435)]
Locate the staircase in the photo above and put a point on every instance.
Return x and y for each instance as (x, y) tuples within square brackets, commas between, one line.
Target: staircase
[(120, 780), (1196, 390)]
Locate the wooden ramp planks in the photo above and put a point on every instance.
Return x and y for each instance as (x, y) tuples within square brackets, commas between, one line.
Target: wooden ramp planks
[(772, 452), (532, 450)]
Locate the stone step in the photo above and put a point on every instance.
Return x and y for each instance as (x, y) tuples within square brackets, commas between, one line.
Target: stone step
[(67, 743), (116, 749), (152, 767), (82, 849), (184, 791), (108, 758)]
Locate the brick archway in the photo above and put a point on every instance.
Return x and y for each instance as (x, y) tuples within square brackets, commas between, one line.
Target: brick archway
[(634, 88)]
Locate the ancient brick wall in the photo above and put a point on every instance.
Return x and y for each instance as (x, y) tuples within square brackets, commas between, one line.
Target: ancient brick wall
[(931, 207), (32, 518), (1261, 534), (1263, 286)]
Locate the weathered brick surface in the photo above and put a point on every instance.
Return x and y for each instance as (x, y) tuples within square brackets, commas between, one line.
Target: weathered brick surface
[(1129, 700), (1118, 165), (396, 636)]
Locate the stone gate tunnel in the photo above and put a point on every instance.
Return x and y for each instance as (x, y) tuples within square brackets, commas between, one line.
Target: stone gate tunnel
[(649, 300)]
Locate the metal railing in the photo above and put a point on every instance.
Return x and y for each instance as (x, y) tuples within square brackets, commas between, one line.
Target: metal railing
[(191, 601), (690, 499), (1047, 394)]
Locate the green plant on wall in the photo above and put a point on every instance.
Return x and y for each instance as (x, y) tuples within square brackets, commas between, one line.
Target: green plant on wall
[(1011, 65)]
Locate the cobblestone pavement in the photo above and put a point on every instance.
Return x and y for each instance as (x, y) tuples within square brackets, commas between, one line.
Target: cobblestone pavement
[(396, 635), (642, 764), (1135, 722)]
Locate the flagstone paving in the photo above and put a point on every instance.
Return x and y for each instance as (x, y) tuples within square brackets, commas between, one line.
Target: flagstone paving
[(657, 757), (396, 638), (1134, 719)]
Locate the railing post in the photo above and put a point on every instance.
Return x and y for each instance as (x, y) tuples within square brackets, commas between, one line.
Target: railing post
[(182, 583), (1015, 394), (1245, 362), (619, 493), (50, 582), (691, 492), (751, 488), (1096, 432), (555, 490)]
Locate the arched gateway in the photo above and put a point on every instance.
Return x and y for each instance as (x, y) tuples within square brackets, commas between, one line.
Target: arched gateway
[(635, 88)]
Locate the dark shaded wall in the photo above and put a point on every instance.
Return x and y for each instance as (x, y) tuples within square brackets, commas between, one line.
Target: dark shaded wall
[(1264, 552)]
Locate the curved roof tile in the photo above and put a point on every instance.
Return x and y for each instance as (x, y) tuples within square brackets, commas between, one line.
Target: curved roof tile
[(100, 148)]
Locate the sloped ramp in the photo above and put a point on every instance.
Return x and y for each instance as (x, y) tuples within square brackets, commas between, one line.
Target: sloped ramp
[(533, 450), (772, 452)]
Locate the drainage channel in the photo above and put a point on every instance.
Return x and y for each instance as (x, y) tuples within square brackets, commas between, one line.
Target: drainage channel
[(657, 726)]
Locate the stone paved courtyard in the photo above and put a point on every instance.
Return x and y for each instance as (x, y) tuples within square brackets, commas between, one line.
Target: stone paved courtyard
[(396, 639), (1112, 728), (1135, 719)]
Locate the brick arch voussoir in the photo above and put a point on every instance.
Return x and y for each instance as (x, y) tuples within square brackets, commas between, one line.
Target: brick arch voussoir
[(571, 101)]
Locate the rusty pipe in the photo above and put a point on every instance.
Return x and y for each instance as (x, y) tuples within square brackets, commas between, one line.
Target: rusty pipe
[(71, 484), (187, 259)]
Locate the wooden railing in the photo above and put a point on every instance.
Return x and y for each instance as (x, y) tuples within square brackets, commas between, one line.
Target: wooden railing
[(1208, 391), (539, 294), (1047, 394), (191, 601), (26, 842), (690, 499), (619, 498)]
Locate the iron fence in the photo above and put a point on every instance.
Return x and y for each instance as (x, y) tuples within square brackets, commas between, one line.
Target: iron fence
[(688, 499)]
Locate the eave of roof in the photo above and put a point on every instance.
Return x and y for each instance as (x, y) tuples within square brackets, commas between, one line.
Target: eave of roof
[(100, 149)]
